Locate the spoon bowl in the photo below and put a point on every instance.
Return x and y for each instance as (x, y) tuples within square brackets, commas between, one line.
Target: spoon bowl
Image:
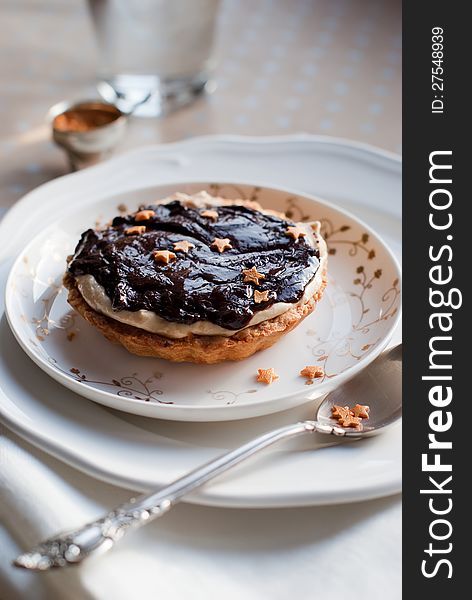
[(379, 386)]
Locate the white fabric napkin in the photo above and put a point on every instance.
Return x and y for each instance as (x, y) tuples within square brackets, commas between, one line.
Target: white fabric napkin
[(35, 503), (192, 552)]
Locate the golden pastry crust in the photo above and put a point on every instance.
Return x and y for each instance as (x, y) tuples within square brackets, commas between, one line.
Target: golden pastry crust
[(206, 349)]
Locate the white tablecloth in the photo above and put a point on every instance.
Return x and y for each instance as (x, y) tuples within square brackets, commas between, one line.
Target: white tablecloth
[(194, 552)]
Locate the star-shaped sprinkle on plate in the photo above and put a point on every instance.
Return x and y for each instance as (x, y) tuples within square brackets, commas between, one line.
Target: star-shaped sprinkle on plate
[(266, 376), (183, 246), (312, 372), (164, 256), (252, 276), (221, 244)]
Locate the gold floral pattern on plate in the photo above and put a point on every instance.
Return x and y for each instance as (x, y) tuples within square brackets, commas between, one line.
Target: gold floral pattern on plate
[(130, 386), (227, 396), (338, 237)]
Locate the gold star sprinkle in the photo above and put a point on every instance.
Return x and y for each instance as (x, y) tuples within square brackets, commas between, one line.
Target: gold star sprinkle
[(183, 246), (164, 256), (266, 376), (210, 214), (251, 275), (296, 232), (144, 215), (340, 412), (344, 416), (350, 421), (136, 230), (260, 296), (361, 411), (221, 244), (312, 372), (350, 417)]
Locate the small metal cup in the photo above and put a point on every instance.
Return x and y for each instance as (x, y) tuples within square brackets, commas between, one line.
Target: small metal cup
[(86, 148)]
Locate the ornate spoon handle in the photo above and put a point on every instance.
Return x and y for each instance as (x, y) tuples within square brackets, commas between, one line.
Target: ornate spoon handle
[(100, 535)]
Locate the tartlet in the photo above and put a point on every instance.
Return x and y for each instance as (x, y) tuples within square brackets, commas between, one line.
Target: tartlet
[(198, 278)]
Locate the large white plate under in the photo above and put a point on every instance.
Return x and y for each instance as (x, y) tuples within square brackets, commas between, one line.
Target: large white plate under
[(142, 453)]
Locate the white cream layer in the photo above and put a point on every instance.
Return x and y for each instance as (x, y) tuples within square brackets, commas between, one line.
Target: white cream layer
[(95, 296)]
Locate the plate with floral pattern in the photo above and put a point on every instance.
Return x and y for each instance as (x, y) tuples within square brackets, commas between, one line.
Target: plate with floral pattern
[(351, 325)]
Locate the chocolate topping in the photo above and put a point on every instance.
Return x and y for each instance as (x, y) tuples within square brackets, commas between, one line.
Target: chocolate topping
[(202, 284)]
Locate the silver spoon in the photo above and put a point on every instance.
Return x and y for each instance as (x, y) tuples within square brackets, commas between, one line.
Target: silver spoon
[(378, 386)]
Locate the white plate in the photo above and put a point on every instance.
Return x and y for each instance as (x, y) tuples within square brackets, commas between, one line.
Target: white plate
[(349, 328), (143, 453)]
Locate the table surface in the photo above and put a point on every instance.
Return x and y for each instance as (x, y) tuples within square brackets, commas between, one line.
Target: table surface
[(330, 67)]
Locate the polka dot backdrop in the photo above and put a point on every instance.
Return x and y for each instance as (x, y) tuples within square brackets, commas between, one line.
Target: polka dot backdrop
[(330, 67)]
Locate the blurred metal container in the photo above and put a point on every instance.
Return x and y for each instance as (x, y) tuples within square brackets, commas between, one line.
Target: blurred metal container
[(88, 130)]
